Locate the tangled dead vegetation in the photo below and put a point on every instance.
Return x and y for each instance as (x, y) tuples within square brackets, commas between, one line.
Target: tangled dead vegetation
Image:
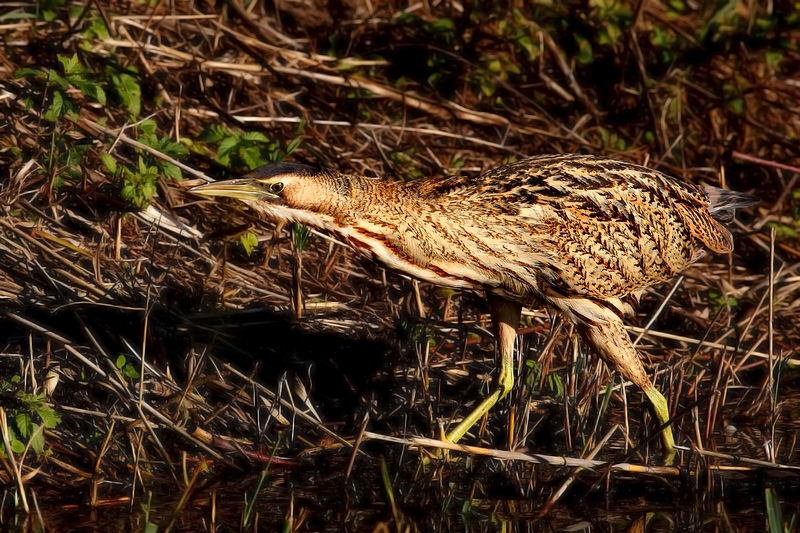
[(140, 322)]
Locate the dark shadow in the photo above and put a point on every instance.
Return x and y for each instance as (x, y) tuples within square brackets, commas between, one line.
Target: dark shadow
[(339, 367)]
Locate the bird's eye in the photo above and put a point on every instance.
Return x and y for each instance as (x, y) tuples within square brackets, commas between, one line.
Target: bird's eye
[(276, 187)]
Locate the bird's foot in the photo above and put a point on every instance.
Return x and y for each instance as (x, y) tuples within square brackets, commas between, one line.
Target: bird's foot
[(668, 456)]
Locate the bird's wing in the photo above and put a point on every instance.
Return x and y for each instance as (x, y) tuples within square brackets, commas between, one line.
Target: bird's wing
[(598, 228)]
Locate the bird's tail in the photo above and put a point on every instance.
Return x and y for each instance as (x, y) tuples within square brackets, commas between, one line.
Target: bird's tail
[(711, 230), (722, 203)]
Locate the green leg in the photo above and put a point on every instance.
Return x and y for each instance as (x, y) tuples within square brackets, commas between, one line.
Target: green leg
[(614, 345), (504, 386), (505, 317)]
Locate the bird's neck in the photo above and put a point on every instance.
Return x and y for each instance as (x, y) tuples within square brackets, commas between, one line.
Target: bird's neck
[(360, 197)]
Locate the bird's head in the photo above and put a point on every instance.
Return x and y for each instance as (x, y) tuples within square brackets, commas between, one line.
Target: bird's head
[(287, 191)]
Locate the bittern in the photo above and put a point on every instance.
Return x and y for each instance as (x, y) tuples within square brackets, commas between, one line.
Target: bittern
[(575, 232)]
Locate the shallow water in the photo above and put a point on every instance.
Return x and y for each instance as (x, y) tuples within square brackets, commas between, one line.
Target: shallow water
[(473, 495)]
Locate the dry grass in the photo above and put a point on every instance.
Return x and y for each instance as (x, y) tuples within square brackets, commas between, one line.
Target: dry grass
[(95, 290)]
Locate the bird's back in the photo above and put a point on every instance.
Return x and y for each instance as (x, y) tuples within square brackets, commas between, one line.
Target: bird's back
[(573, 226)]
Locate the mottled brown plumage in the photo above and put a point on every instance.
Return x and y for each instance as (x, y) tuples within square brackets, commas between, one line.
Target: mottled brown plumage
[(578, 233)]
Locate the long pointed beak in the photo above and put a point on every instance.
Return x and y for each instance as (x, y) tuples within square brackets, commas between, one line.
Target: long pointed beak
[(242, 189)]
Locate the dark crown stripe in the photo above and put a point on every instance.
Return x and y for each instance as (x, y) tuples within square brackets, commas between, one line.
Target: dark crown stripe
[(277, 169)]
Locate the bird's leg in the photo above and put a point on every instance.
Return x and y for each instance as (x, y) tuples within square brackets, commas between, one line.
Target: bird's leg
[(505, 318), (614, 346)]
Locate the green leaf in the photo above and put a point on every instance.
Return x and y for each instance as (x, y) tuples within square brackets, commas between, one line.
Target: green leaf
[(736, 106), (534, 373), (56, 109), (139, 186), (128, 192), (17, 446), (662, 37), (129, 91), (249, 242), (24, 424), (76, 154), (109, 162), (255, 136), (585, 54), (89, 88), (495, 66), (37, 441), (293, 145), (773, 59), (443, 25), (679, 6), (148, 127), (300, 235), (783, 231), (214, 134), (172, 148), (50, 417), (487, 86), (171, 171), (130, 372), (56, 79), (226, 148), (774, 513), (70, 65), (251, 157), (511, 67), (556, 385), (97, 28), (610, 34), (98, 93), (530, 48), (27, 72), (148, 190)]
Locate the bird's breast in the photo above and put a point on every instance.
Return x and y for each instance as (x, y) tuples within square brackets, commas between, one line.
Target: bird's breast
[(389, 251)]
